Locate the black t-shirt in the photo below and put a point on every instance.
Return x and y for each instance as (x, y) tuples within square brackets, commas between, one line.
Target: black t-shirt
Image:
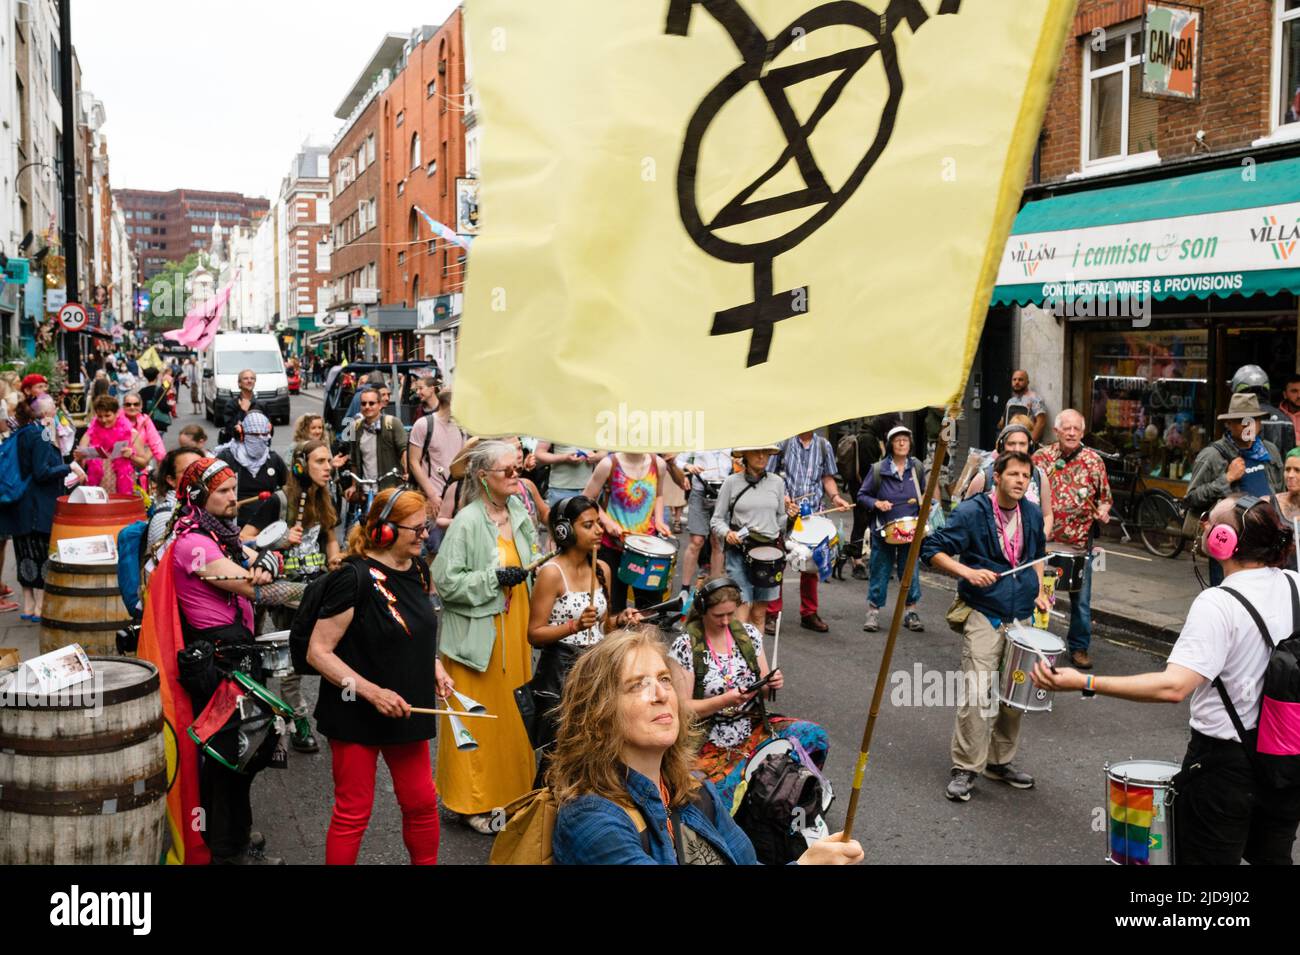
[(270, 477), (393, 645), (234, 414)]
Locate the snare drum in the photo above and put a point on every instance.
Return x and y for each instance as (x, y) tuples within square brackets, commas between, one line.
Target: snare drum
[(274, 648), (1140, 806), (710, 492), (1071, 565), (764, 566), (647, 562), (901, 531), (819, 535), (1019, 654)]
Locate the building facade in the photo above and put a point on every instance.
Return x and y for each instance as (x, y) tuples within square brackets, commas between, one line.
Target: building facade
[(304, 241), (1158, 246), (167, 226)]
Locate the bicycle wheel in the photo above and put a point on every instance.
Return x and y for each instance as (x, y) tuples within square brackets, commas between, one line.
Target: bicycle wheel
[(1160, 524)]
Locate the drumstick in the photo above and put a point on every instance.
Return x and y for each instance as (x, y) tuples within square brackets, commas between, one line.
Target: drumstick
[(302, 505), (1023, 566), (428, 712), (776, 653), (1120, 553), (264, 496), (541, 560), (224, 577), (830, 510)]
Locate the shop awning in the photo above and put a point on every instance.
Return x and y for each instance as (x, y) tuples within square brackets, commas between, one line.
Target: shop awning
[(332, 334), (1226, 232)]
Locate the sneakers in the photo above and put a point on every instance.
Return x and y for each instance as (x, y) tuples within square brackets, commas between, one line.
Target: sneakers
[(769, 626), (254, 854), (860, 572), (481, 823), (912, 621), (813, 622), (1006, 773), (872, 623), (960, 786), (1080, 659)]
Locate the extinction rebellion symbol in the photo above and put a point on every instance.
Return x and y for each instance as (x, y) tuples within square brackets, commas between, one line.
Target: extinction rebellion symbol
[(818, 197)]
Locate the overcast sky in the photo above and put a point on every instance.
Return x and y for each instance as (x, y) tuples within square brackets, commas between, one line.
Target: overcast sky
[(221, 95)]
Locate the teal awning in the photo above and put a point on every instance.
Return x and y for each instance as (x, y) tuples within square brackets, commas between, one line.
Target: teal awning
[(1226, 232)]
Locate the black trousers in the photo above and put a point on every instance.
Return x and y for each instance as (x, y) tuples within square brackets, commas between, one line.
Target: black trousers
[(618, 589), (861, 527), (1223, 813), (227, 806)]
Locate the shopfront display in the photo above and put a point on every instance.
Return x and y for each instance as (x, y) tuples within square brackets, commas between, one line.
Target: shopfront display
[(1150, 393)]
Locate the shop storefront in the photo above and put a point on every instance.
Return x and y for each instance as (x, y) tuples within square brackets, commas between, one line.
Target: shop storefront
[(1162, 290)]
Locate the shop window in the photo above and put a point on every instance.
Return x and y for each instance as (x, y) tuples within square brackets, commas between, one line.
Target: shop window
[(1287, 78), (1118, 123), (1150, 395)]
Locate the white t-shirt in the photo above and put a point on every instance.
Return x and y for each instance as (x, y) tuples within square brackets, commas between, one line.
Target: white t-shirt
[(1220, 639)]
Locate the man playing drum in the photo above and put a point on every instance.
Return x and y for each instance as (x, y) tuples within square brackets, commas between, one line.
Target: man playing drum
[(1225, 809), (985, 537)]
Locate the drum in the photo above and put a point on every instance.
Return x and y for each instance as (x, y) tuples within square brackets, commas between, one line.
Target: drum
[(900, 531), (1071, 565), (1140, 805), (819, 535), (274, 648), (1019, 654), (647, 562), (764, 566), (711, 489)]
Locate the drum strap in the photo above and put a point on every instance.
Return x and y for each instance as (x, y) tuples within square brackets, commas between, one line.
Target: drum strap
[(699, 653), (1268, 642)]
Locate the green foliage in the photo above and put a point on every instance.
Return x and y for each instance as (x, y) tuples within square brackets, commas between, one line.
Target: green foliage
[(167, 291)]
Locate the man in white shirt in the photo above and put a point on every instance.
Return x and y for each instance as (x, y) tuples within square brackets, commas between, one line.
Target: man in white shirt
[(1224, 810)]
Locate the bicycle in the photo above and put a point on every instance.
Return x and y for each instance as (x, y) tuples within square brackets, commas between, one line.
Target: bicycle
[(371, 487), (1155, 513)]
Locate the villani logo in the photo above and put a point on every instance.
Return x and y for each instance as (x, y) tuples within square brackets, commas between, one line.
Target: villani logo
[(818, 196), (1282, 238)]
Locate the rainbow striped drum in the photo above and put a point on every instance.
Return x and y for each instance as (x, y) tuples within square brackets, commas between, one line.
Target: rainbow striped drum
[(1140, 811)]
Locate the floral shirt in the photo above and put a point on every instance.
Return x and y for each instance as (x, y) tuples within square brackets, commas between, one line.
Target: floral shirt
[(1079, 486), (725, 671)]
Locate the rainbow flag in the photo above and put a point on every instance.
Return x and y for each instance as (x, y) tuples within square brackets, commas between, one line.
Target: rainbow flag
[(160, 639), (1131, 811)]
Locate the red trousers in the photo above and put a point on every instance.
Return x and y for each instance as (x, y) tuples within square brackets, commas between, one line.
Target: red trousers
[(807, 597), (354, 795)]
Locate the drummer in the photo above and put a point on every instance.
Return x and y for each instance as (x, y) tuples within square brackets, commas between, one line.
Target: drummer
[(807, 462), (892, 490), (630, 486), (707, 470), (752, 510), (1015, 437), (1224, 810), (985, 537)]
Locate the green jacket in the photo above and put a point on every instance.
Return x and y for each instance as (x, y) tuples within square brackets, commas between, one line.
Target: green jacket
[(465, 574)]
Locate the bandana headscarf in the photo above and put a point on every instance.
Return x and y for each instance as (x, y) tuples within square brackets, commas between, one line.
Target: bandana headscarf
[(253, 451), (193, 517)]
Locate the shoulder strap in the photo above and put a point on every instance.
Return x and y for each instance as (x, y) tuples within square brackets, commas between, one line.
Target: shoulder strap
[(731, 509), (1263, 630), (696, 634), (913, 466), (642, 829), (1254, 615)]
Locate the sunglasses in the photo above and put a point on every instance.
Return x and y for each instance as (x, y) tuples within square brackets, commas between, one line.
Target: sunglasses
[(131, 404), (509, 471), (369, 404)]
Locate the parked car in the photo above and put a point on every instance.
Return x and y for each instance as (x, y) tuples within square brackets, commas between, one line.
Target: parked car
[(401, 376)]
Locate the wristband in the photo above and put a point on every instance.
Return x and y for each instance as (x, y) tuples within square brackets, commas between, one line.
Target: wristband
[(1088, 682)]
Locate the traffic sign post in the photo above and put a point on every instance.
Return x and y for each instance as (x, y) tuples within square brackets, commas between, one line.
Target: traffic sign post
[(73, 317)]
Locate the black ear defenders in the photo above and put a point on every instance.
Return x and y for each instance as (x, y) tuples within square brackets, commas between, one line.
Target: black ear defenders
[(384, 533), (566, 512), (704, 591), (198, 492)]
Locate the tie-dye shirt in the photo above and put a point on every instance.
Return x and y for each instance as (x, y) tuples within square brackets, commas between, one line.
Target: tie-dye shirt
[(630, 502)]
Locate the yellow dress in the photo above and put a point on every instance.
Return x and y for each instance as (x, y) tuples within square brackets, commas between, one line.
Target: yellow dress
[(477, 781)]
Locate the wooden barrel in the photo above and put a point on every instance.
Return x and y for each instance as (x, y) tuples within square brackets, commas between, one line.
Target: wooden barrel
[(83, 772), (88, 520), (82, 605)]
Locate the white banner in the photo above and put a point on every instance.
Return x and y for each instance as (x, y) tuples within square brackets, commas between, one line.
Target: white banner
[(1243, 240)]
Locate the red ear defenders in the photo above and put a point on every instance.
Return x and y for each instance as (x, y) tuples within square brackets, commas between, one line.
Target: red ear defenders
[(1222, 540), (384, 533)]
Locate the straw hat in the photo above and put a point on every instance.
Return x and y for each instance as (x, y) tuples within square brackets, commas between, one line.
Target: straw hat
[(736, 452)]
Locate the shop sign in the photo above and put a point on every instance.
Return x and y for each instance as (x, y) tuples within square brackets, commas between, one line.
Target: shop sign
[(1171, 38)]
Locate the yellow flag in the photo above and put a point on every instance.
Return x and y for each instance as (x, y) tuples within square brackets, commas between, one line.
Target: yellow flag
[(723, 222), (151, 359)]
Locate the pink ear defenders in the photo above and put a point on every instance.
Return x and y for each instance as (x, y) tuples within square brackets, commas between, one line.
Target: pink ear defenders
[(1221, 540)]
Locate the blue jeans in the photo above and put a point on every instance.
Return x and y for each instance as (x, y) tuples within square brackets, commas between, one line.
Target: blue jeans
[(554, 495), (886, 559), (1080, 635)]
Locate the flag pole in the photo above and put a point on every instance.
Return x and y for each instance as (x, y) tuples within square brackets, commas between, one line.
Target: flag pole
[(946, 435)]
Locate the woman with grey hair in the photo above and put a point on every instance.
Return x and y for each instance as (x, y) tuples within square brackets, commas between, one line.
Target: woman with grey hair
[(481, 577)]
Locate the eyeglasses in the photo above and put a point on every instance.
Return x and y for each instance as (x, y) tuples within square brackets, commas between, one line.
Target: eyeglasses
[(369, 404), (420, 530), (508, 471), (131, 404), (647, 687)]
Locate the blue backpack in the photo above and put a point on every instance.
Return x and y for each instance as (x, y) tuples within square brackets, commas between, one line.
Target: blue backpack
[(130, 563), (13, 485)]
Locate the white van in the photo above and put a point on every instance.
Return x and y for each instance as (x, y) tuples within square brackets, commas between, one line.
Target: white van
[(228, 355)]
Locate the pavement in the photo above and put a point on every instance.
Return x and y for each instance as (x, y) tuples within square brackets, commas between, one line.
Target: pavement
[(904, 817)]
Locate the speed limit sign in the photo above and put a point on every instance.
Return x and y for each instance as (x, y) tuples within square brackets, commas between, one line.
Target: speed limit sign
[(72, 317)]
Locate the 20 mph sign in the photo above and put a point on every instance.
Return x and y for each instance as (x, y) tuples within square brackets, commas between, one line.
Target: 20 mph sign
[(72, 317)]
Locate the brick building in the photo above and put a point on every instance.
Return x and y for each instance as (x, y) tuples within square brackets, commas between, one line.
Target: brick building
[(304, 244), (1158, 244), (167, 226)]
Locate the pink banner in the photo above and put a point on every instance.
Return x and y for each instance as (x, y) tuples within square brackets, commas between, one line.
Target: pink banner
[(203, 321)]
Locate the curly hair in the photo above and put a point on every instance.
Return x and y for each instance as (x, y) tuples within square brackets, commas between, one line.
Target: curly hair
[(303, 426), (588, 757)]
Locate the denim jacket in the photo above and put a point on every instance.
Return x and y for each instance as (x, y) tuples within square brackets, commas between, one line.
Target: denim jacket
[(592, 830), (972, 537), (465, 573)]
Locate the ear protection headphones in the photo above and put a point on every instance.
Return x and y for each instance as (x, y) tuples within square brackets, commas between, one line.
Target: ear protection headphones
[(384, 533), (1222, 540), (704, 591), (568, 509), (198, 492), (298, 464)]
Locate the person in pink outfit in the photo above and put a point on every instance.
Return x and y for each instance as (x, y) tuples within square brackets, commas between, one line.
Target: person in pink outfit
[(111, 438)]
